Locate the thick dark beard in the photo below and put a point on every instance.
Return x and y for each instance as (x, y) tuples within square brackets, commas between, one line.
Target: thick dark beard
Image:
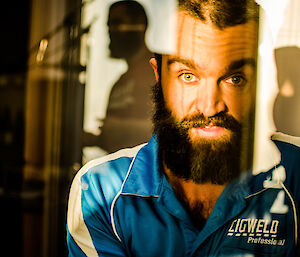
[(204, 161)]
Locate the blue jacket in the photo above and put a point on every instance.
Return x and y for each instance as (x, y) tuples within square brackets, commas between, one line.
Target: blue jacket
[(122, 205)]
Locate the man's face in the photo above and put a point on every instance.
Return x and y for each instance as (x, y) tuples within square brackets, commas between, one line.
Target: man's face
[(212, 71), (205, 95)]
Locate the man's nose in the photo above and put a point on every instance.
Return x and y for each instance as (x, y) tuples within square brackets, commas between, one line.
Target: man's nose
[(210, 98)]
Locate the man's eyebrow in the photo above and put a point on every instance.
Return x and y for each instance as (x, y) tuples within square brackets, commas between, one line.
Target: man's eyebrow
[(185, 62), (235, 65)]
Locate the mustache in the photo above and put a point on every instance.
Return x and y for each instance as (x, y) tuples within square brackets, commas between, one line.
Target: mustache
[(221, 119)]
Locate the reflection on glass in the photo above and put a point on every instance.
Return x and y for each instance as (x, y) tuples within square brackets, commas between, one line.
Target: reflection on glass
[(127, 122), (287, 102)]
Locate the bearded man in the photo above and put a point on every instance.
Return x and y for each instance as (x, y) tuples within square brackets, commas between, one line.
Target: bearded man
[(190, 190)]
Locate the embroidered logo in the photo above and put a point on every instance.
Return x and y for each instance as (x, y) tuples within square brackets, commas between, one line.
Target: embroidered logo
[(257, 231)]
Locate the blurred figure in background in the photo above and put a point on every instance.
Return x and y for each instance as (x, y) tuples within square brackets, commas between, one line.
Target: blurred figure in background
[(287, 59), (287, 103), (128, 117), (284, 22)]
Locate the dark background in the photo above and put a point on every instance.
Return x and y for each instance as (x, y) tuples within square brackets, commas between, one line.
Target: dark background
[(40, 123)]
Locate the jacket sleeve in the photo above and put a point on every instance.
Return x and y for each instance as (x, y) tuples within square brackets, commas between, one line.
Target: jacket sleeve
[(89, 229)]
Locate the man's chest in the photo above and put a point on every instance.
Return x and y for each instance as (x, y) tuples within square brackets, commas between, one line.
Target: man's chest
[(265, 226)]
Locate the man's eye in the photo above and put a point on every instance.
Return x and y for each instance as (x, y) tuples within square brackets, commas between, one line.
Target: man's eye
[(188, 77), (236, 80)]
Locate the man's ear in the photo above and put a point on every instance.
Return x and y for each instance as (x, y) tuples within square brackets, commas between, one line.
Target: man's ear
[(153, 63)]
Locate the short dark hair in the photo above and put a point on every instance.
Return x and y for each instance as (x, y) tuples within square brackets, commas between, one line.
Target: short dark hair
[(221, 13)]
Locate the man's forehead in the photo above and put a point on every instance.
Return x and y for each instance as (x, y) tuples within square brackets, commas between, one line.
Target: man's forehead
[(198, 40), (191, 27)]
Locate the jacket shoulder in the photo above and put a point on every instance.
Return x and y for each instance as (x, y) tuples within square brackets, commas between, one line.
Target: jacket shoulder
[(104, 176), (287, 139), (289, 147), (91, 195)]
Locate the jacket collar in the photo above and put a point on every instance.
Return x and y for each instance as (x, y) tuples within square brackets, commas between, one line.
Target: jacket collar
[(144, 177)]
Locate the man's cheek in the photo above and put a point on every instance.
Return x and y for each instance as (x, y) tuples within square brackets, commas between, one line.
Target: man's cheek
[(239, 108)]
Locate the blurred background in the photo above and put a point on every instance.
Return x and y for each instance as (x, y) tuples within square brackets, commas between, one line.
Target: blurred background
[(74, 77), (41, 110), (75, 82)]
